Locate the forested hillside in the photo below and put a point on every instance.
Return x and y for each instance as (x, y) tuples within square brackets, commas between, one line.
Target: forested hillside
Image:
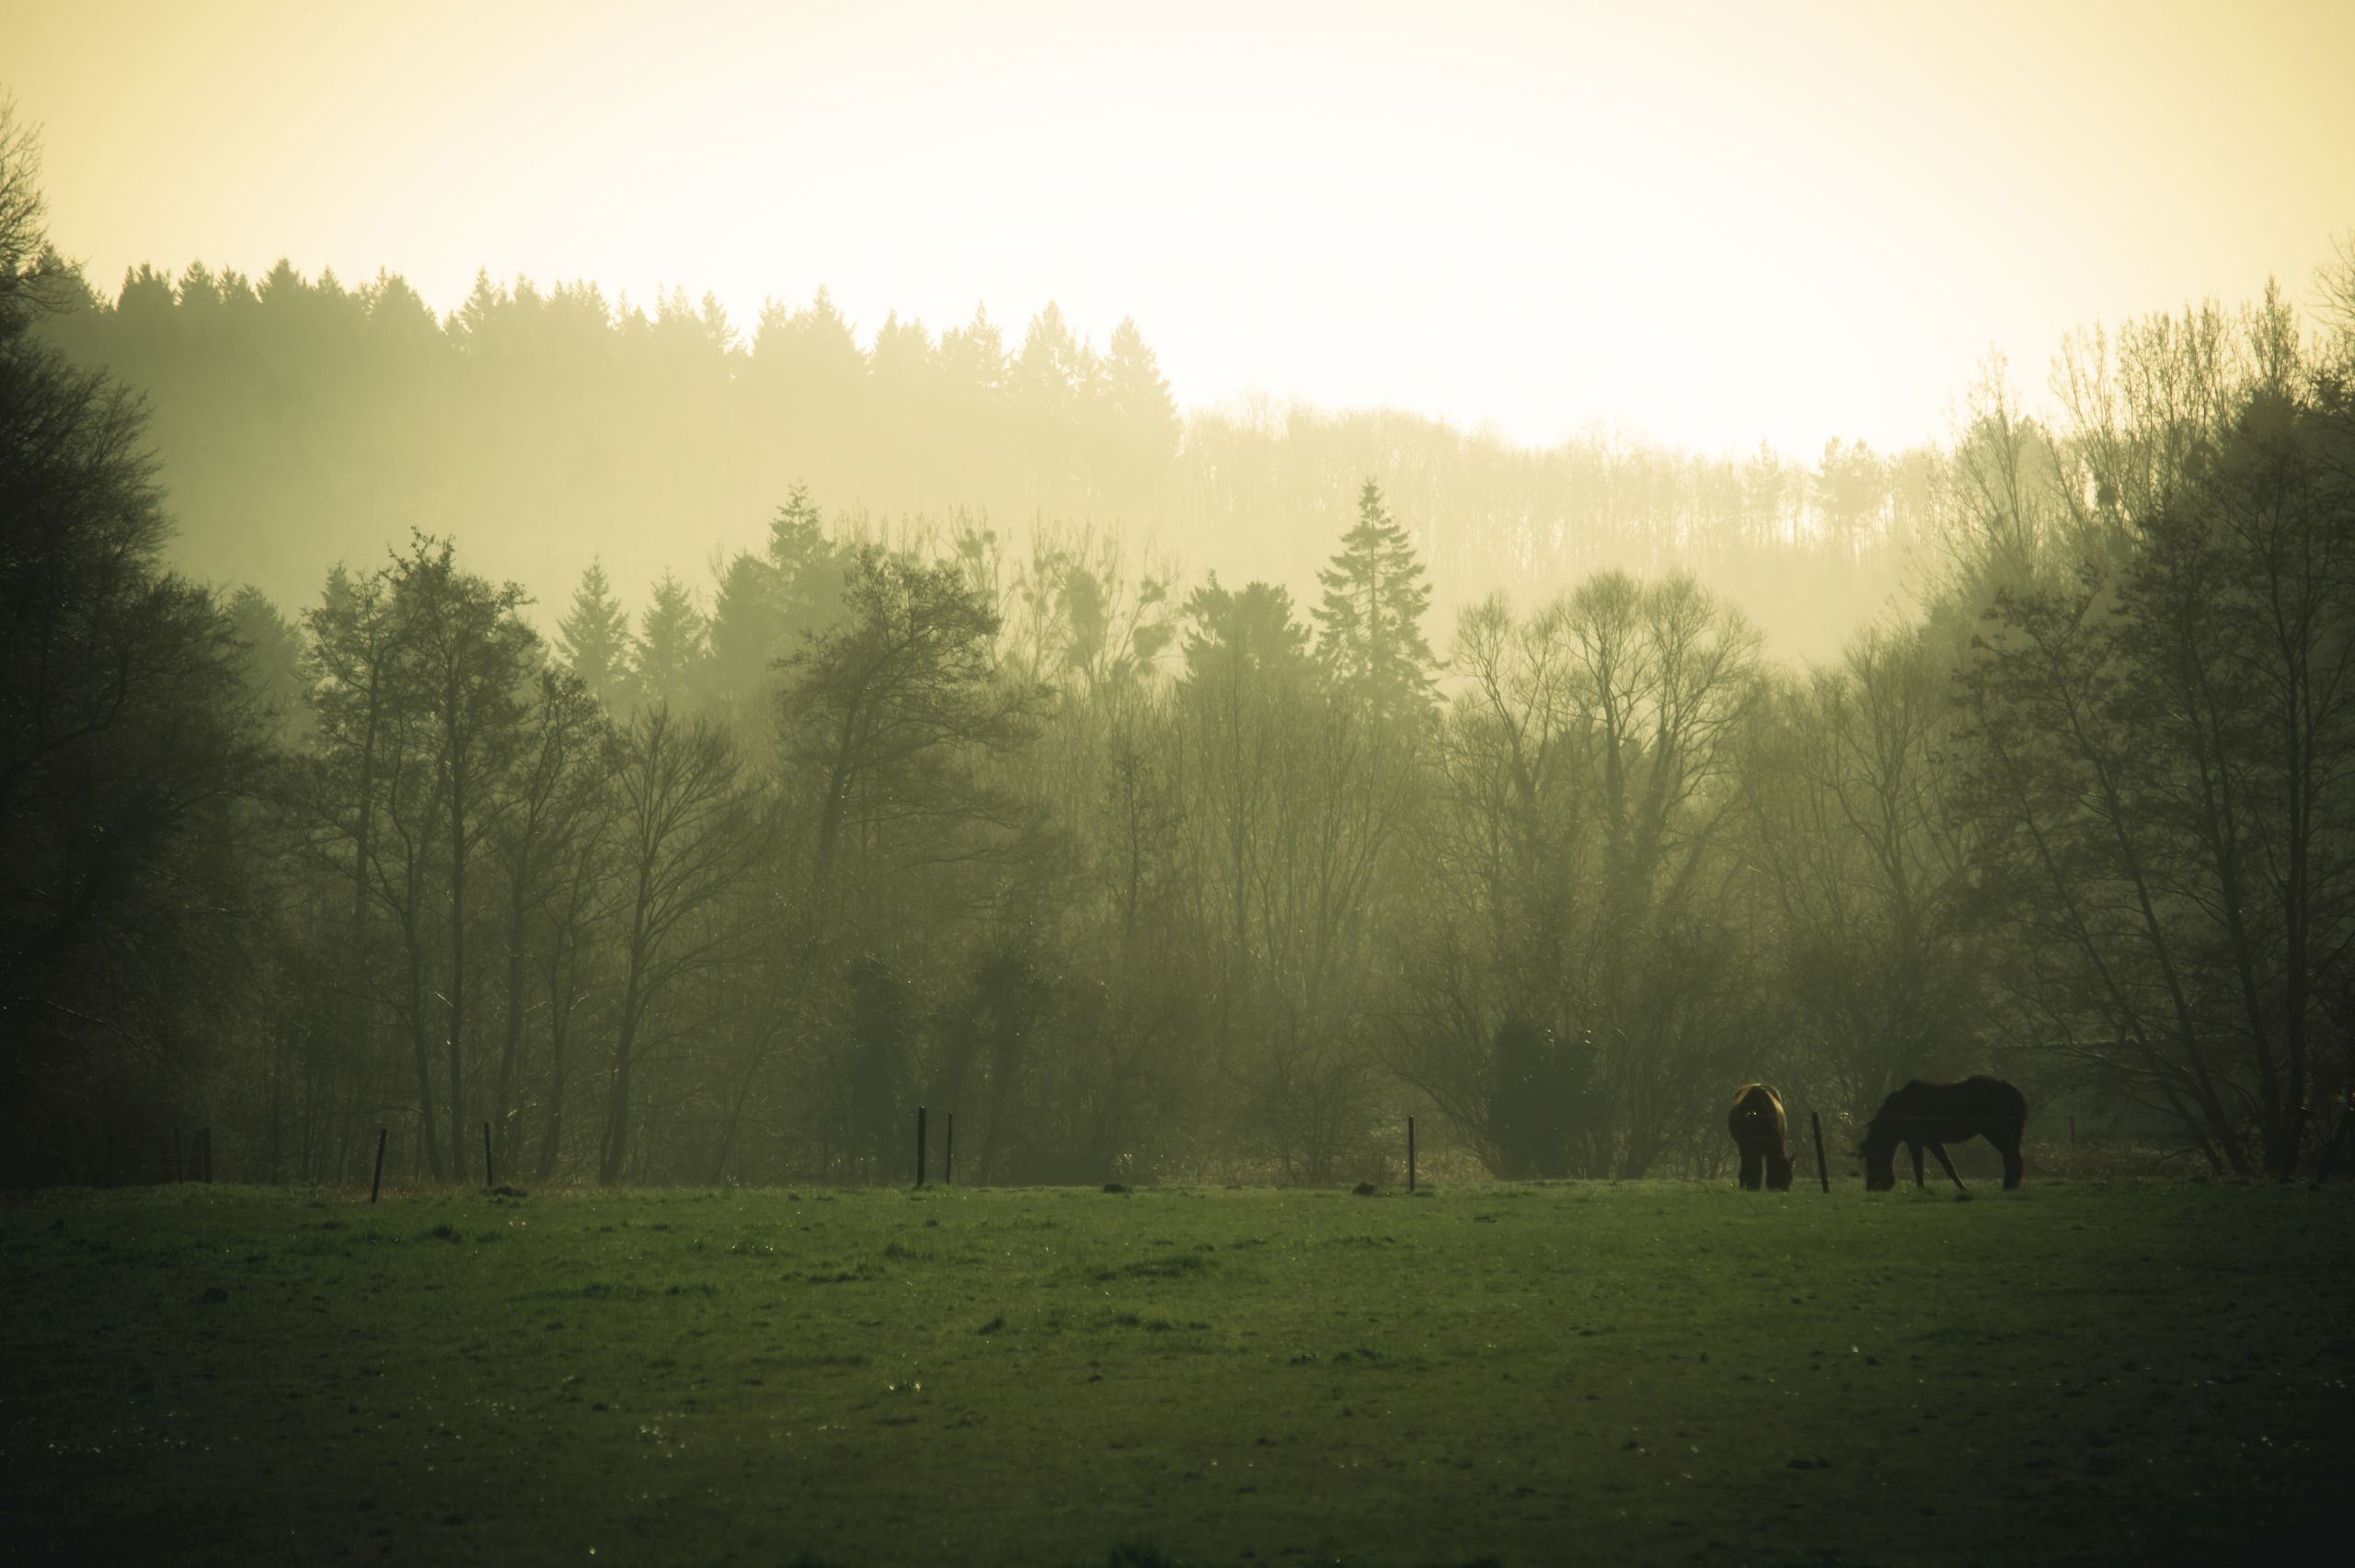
[(300, 423)]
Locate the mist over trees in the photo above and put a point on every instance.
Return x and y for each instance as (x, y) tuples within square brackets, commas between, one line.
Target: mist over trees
[(713, 873), (301, 421)]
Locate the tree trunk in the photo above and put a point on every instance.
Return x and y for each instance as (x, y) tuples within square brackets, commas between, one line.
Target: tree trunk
[(421, 1050), (502, 1112), (457, 955), (559, 1025), (616, 1153)]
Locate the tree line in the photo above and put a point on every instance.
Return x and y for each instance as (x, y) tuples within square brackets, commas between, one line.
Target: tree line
[(299, 420), (1149, 875)]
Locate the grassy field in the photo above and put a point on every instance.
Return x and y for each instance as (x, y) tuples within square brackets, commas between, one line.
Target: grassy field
[(1646, 1372)]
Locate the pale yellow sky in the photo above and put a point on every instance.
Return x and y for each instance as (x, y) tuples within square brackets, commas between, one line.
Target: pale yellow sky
[(1713, 224)]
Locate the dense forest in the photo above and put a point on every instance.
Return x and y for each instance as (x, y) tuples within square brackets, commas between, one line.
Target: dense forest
[(298, 422), (1141, 869)]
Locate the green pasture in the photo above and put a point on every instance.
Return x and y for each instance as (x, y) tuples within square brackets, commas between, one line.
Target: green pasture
[(2129, 1371)]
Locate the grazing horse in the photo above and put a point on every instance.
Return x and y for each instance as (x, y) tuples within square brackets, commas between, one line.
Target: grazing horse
[(1931, 1115), (1756, 1122)]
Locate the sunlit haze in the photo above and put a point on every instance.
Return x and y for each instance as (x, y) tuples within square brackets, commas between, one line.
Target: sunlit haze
[(769, 774), (1711, 224)]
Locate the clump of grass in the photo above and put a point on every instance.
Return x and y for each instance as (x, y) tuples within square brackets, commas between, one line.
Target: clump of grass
[(994, 1325), (831, 1273), (605, 1290), (1177, 1266), (1353, 1355)]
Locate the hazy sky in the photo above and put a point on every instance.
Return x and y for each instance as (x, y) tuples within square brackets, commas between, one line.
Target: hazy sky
[(1711, 222)]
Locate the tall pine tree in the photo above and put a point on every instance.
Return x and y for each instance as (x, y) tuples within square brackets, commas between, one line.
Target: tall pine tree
[(672, 646), (1369, 626), (594, 640), (810, 572)]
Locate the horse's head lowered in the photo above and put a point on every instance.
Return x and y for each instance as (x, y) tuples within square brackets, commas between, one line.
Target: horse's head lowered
[(1879, 1152)]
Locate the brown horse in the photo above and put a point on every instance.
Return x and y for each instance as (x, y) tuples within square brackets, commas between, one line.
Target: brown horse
[(1931, 1115), (1756, 1122)]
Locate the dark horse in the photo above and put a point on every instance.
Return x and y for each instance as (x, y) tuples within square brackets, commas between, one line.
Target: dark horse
[(1756, 1122), (1931, 1115)]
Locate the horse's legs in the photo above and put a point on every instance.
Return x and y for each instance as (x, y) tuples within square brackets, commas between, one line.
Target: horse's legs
[(1750, 1181), (1915, 1151), (2010, 1149), (1940, 1151)]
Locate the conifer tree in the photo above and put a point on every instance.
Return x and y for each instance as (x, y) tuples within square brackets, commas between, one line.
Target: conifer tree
[(594, 640), (808, 570), (746, 637), (1142, 410), (671, 648), (1370, 625)]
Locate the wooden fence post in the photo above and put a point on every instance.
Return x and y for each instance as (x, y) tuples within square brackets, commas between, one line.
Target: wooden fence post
[(1411, 1154), (489, 1169), (106, 1174), (920, 1148), (1822, 1172), (179, 1172), (208, 1157), (377, 1180), (949, 1155)]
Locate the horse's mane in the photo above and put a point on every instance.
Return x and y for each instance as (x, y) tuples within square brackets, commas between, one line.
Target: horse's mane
[(1892, 1107)]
